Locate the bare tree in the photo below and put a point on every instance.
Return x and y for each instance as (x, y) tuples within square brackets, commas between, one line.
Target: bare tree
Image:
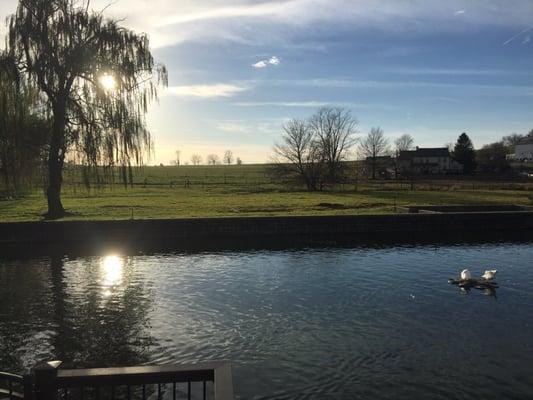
[(238, 161), (196, 159), (299, 154), (176, 161), (511, 140), (334, 130), (212, 159), (228, 157), (375, 144), (403, 143)]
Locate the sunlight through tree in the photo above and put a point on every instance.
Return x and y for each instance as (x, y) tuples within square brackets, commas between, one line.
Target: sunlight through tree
[(98, 79)]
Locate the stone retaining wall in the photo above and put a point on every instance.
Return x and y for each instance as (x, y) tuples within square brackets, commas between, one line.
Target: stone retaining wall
[(153, 231)]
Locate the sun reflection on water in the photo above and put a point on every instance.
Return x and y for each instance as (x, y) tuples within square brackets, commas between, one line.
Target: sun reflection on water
[(111, 269)]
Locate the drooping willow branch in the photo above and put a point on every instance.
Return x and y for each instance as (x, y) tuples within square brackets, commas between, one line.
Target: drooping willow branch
[(64, 49)]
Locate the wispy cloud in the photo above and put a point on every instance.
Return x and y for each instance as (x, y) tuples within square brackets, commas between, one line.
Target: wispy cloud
[(212, 12), (278, 20), (306, 104), (457, 71), (302, 104), (266, 127), (205, 91), (472, 88), (522, 32), (232, 126), (265, 63), (168, 22)]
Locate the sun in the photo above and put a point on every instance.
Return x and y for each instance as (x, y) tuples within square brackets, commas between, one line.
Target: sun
[(108, 82)]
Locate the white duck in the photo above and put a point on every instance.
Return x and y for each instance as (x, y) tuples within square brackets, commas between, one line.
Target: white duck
[(465, 275), (489, 274)]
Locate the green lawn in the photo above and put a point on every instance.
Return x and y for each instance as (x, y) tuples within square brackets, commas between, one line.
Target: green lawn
[(220, 191), (225, 200)]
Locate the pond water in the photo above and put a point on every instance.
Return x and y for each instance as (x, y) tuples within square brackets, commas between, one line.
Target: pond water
[(329, 323)]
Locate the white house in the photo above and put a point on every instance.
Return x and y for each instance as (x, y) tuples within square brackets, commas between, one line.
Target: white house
[(428, 161), (524, 148)]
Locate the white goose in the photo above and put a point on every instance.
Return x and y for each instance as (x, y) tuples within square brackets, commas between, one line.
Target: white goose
[(465, 275), (489, 274)]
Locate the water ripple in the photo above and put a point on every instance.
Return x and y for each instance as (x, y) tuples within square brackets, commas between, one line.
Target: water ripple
[(305, 324)]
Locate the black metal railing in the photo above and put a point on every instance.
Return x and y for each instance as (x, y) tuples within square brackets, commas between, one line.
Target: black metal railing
[(195, 381), (11, 386)]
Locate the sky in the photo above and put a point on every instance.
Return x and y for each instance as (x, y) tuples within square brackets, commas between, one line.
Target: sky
[(239, 69)]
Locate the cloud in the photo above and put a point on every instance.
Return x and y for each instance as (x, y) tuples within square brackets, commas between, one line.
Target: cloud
[(168, 22), (233, 126), (281, 21), (265, 127), (302, 104), (205, 91), (265, 63), (474, 88), (457, 71), (274, 61), (522, 32), (306, 104)]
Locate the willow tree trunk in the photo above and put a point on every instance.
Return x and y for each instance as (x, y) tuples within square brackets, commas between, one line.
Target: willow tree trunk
[(55, 164)]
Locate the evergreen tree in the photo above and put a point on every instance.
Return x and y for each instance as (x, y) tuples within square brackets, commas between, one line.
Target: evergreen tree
[(463, 153)]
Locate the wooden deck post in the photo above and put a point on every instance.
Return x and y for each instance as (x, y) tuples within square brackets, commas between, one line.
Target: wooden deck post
[(45, 380), (27, 383)]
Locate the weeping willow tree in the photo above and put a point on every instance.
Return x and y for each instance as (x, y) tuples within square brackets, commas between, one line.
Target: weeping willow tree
[(23, 127), (98, 79)]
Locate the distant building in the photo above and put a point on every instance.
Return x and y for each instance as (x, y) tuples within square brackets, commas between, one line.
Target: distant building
[(524, 148), (428, 161), (384, 166)]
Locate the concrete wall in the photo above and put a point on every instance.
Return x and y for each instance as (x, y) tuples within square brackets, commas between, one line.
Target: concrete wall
[(213, 229), (464, 209)]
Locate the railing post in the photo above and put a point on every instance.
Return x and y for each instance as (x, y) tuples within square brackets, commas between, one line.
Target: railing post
[(223, 382), (27, 383), (45, 379)]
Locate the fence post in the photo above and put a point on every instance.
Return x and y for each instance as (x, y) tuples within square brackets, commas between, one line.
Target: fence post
[(45, 379)]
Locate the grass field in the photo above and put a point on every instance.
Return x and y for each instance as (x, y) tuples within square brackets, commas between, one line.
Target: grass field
[(221, 191)]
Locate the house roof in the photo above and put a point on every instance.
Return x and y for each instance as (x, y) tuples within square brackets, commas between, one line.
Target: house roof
[(526, 140), (425, 152), (386, 158)]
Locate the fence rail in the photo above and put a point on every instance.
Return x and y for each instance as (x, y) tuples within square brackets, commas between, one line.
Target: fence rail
[(195, 381)]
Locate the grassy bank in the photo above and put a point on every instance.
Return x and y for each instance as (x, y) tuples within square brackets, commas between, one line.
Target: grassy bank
[(165, 202), (219, 191)]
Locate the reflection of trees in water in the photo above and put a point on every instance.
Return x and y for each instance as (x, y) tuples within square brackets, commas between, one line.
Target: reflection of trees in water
[(26, 324), (100, 325), (76, 312)]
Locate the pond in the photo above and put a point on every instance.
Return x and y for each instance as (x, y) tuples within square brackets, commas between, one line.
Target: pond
[(369, 322)]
